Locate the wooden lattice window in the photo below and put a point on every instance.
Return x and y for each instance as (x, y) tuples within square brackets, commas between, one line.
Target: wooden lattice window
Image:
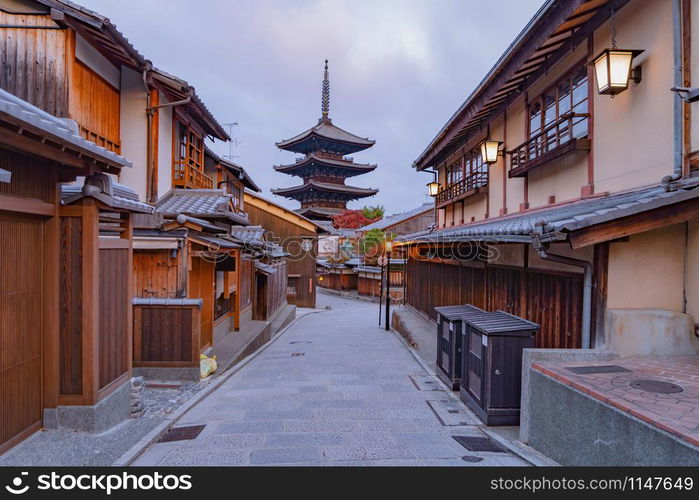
[(188, 163)]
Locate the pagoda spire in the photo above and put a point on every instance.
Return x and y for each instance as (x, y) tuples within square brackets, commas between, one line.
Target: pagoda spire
[(325, 101)]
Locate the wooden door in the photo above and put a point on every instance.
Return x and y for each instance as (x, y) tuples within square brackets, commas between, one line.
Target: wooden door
[(260, 309), (21, 312), (201, 280)]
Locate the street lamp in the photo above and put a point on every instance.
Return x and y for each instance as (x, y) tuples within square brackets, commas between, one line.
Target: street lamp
[(613, 70), (388, 246), (489, 151)]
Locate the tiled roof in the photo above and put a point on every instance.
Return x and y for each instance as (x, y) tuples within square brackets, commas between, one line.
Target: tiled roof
[(336, 162), (368, 269), (328, 226), (121, 196), (319, 211), (561, 218), (394, 219), (63, 130), (327, 186), (327, 130), (249, 235), (204, 203)]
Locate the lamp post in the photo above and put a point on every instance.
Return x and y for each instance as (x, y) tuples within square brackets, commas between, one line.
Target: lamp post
[(388, 246)]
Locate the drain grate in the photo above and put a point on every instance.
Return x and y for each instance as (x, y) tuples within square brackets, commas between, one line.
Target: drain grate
[(301, 342), (182, 433), (657, 386), (298, 353), (479, 444), (588, 370)]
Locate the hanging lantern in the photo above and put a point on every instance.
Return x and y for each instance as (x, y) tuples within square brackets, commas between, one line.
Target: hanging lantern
[(433, 188), (489, 151), (613, 70)]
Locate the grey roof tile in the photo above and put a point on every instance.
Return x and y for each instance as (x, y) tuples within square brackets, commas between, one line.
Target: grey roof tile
[(565, 217), (205, 203), (64, 130), (394, 219)]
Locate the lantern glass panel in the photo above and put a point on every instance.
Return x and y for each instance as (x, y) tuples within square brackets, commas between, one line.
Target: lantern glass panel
[(433, 188), (489, 151), (619, 68)]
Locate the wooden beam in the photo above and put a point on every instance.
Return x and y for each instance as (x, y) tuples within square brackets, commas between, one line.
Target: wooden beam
[(24, 205), (634, 224), (537, 37)]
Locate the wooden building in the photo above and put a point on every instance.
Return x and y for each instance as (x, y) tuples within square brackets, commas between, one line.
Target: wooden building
[(64, 276), (577, 211), (324, 165), (510, 229), (297, 236)]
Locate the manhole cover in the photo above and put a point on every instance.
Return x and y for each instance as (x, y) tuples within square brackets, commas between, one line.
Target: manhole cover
[(657, 386), (471, 458), (182, 433), (587, 370), (298, 353), (478, 444)]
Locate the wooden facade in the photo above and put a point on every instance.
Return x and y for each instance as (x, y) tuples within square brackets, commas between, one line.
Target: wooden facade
[(65, 288), (553, 300), (298, 237), (166, 335), (270, 287)]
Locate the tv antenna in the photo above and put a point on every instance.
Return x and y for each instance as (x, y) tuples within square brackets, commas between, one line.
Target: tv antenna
[(233, 142)]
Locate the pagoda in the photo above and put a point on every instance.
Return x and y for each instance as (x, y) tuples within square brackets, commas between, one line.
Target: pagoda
[(324, 165)]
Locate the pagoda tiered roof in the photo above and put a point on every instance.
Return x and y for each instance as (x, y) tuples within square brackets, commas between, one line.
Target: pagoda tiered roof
[(326, 137), (337, 191), (319, 213), (314, 164)]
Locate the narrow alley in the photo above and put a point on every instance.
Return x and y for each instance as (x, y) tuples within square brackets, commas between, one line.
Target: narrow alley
[(333, 389)]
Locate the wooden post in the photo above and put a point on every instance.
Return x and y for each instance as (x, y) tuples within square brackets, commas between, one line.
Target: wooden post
[(90, 319)]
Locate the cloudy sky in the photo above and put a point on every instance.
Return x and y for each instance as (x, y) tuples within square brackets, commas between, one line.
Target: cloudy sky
[(398, 70)]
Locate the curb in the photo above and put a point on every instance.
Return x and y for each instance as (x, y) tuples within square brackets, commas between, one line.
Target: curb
[(136, 450), (517, 448)]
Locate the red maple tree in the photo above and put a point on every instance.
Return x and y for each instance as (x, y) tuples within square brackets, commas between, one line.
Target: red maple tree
[(352, 219)]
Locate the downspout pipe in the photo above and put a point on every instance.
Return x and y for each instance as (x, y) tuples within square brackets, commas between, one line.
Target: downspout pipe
[(149, 137), (542, 251), (678, 103)]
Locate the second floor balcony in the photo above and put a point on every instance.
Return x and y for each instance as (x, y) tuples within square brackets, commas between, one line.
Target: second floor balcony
[(474, 183), (569, 133), (188, 177)]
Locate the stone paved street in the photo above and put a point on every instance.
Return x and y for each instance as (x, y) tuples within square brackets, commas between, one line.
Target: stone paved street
[(334, 389)]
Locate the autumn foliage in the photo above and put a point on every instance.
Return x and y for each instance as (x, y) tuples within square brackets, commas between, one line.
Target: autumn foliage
[(352, 219)]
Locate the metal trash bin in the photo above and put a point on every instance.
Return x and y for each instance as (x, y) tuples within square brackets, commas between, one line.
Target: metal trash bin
[(491, 367), (449, 334)]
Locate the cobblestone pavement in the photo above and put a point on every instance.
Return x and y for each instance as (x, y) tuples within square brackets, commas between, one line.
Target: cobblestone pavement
[(335, 389)]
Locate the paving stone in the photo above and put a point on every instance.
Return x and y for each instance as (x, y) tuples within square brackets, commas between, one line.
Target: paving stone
[(275, 456), (180, 457), (303, 439), (247, 427), (366, 452)]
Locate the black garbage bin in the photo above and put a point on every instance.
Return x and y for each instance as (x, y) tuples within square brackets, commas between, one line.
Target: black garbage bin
[(449, 334), (491, 367)]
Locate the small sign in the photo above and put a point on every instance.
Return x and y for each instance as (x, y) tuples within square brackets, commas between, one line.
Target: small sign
[(383, 261)]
